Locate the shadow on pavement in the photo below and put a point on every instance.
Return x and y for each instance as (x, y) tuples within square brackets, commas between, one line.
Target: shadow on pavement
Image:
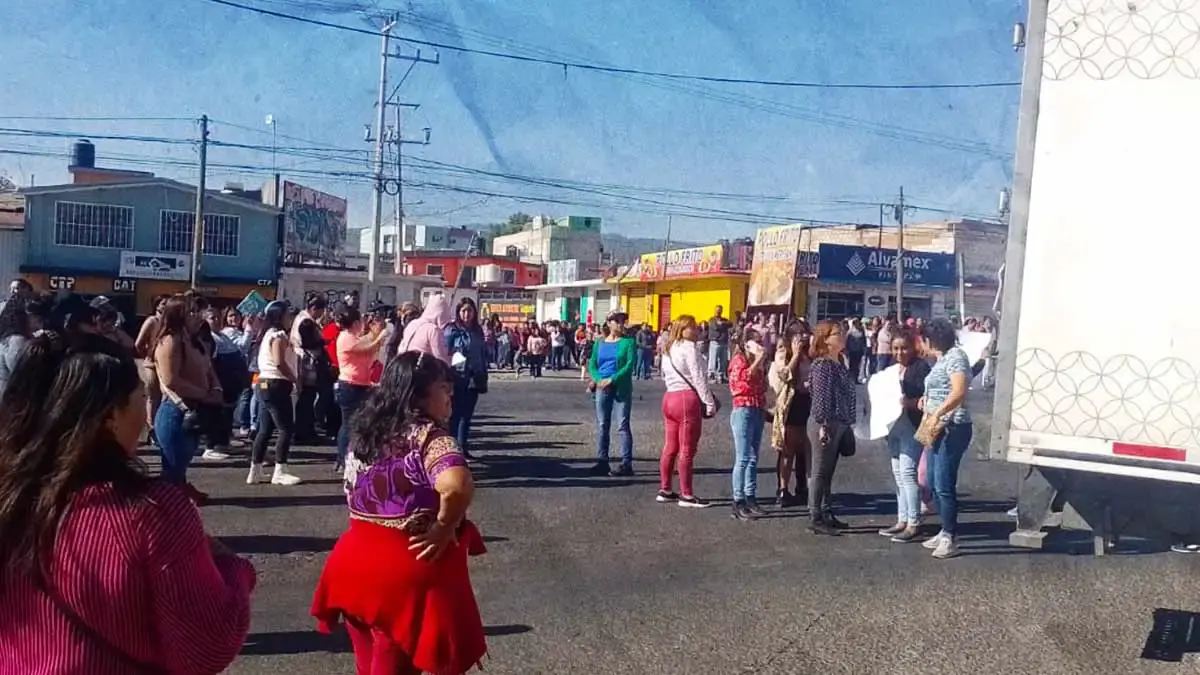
[(273, 501), (1176, 632), (296, 642), (475, 422), (507, 629), (278, 544)]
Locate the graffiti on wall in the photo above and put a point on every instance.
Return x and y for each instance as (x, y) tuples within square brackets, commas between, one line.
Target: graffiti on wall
[(314, 225)]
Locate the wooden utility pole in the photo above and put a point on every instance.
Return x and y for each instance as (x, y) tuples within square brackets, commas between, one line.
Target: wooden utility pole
[(198, 225)]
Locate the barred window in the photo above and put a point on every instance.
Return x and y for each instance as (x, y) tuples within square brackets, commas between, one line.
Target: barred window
[(93, 225), (220, 233)]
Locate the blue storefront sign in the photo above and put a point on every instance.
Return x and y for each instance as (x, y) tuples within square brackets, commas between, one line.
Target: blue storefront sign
[(868, 265)]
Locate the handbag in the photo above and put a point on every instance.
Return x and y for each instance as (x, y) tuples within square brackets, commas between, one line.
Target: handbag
[(930, 429), (704, 412)]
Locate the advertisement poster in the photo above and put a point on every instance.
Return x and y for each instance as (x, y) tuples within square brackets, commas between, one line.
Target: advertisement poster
[(314, 225), (511, 305), (681, 263), (773, 273)]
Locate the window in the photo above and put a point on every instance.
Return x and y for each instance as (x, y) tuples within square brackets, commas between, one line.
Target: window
[(389, 244), (508, 277), (838, 305), (220, 233), (435, 270), (93, 225), (468, 274)]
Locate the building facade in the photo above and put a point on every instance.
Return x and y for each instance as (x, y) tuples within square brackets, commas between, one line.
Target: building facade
[(458, 269), (951, 268), (663, 286), (132, 240), (547, 239), (418, 238)]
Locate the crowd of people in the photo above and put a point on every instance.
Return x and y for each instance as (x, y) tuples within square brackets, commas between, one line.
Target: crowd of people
[(107, 569), (396, 389), (803, 382)]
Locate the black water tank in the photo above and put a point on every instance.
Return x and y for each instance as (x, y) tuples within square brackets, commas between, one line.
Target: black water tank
[(83, 154)]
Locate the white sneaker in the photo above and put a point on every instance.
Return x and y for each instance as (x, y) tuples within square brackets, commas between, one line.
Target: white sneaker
[(256, 475), (933, 542), (946, 548), (282, 477), (214, 455), (1012, 513)]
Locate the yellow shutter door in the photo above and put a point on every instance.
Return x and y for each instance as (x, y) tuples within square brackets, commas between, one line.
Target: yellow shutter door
[(637, 306)]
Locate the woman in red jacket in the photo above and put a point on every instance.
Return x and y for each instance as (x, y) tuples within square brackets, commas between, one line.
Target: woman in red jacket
[(748, 384), (102, 569)]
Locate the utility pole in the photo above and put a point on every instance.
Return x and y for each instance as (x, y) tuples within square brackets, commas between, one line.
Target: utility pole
[(198, 225), (898, 210), (380, 120), (667, 243), (396, 138)]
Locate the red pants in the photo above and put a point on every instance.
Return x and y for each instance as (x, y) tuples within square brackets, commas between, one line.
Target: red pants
[(376, 654), (683, 419)]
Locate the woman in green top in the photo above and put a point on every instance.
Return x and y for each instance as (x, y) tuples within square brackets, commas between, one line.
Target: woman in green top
[(611, 368)]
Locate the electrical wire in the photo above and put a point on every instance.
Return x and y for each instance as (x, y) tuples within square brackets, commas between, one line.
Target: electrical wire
[(578, 65)]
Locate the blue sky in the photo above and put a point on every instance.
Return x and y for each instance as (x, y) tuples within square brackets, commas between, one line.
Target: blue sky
[(818, 148)]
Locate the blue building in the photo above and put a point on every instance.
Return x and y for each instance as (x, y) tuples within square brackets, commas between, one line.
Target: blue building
[(128, 235)]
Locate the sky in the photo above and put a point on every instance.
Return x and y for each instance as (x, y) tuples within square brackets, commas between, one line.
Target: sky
[(716, 160)]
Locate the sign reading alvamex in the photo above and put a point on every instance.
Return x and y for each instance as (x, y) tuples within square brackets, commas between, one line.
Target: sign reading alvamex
[(865, 264)]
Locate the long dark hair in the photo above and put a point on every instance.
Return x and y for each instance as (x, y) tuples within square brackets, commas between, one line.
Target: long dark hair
[(55, 440), (391, 407), (474, 325), (14, 320)]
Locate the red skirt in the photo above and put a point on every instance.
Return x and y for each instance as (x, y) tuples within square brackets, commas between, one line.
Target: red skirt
[(428, 609)]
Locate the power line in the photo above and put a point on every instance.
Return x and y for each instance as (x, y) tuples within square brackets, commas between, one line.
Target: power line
[(89, 118), (578, 65)]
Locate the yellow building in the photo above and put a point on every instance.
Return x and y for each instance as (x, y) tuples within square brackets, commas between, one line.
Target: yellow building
[(664, 286)]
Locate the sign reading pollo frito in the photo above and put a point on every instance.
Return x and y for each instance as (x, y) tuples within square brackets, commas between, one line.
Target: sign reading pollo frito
[(681, 263)]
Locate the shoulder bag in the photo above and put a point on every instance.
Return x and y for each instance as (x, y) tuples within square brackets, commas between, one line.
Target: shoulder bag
[(704, 411)]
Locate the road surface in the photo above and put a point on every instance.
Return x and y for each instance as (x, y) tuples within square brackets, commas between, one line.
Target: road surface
[(590, 575)]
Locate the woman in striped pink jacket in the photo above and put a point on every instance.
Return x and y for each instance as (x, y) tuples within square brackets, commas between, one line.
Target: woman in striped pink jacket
[(103, 571)]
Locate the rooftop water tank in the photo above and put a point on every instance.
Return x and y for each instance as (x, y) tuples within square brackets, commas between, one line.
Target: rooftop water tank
[(83, 154)]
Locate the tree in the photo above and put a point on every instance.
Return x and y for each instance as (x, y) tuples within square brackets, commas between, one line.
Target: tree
[(520, 220)]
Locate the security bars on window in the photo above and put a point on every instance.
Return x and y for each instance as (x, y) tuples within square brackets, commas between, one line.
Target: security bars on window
[(220, 233), (93, 225)]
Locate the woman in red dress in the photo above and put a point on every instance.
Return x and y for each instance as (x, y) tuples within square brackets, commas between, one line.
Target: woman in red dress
[(398, 576)]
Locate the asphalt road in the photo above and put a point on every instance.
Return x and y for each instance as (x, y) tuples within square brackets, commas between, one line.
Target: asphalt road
[(590, 575)]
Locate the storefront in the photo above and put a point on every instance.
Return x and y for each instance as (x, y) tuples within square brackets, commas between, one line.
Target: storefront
[(861, 281), (685, 281), (570, 301)]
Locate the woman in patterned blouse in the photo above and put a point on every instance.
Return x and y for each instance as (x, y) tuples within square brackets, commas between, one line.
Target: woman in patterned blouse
[(833, 410), (945, 399), (398, 576)]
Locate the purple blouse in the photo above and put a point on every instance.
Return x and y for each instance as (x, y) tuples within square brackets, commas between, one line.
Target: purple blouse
[(397, 490)]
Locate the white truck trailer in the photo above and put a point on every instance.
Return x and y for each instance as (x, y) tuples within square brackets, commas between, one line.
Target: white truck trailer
[(1098, 389)]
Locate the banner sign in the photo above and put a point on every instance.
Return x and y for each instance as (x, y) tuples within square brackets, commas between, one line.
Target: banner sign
[(773, 272), (681, 263), (252, 305), (865, 264), (165, 266), (511, 305), (314, 225)]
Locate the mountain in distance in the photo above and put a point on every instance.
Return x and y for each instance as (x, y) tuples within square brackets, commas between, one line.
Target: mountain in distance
[(627, 249)]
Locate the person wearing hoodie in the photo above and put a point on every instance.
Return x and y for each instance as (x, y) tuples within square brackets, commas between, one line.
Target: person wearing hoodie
[(427, 334)]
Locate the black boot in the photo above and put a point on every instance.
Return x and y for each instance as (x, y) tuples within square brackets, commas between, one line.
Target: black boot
[(753, 507), (738, 512)]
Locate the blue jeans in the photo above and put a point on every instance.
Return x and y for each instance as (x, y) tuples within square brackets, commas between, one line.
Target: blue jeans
[(747, 425), (906, 458), (882, 362), (462, 409), (349, 398), (645, 362), (176, 447), (718, 360), (247, 409), (944, 459), (608, 404)]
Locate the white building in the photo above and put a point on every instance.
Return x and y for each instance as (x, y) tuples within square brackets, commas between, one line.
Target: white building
[(418, 238), (548, 239)]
